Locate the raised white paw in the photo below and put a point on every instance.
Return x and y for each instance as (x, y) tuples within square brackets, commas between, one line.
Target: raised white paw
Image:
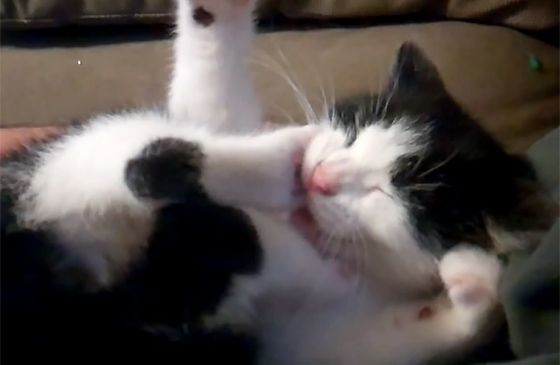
[(206, 11), (471, 276)]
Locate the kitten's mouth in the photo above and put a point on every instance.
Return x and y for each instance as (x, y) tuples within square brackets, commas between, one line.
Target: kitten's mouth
[(302, 218), (305, 223)]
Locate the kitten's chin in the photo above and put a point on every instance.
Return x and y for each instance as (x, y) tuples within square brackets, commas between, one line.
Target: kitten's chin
[(305, 223)]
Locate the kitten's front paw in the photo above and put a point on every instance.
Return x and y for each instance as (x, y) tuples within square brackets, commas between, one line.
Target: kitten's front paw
[(205, 12), (282, 154), (471, 277)]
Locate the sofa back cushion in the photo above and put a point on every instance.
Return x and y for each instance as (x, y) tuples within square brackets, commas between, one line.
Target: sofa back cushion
[(530, 15)]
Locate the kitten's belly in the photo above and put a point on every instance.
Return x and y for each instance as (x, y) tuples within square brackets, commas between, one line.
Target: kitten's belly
[(301, 300), (309, 314), (350, 331)]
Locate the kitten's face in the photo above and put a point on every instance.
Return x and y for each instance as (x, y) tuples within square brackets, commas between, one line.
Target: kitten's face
[(409, 172), (351, 189)]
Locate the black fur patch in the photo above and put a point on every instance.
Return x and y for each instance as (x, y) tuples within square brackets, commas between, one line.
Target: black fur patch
[(461, 177), (203, 16), (153, 314), (168, 168), (195, 250)]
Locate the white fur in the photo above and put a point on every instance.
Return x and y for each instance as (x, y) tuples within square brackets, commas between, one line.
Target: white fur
[(292, 278), (233, 164), (211, 82), (79, 191), (355, 330), (367, 163)]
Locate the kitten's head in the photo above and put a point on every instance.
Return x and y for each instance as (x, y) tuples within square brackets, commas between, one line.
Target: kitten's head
[(409, 172)]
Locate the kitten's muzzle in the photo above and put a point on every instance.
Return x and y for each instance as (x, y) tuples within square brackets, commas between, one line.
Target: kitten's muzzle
[(320, 181)]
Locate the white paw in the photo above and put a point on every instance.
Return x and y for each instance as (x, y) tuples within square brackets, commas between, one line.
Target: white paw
[(471, 276), (221, 9), (282, 154)]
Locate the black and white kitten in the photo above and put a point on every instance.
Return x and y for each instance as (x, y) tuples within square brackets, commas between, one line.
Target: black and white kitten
[(146, 236), (407, 174), (405, 192)]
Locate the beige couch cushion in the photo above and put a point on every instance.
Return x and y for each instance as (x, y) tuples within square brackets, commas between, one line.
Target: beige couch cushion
[(534, 14), (486, 68), (48, 13)]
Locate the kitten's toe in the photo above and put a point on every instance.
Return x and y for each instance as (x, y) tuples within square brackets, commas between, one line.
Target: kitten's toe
[(471, 276), (206, 11)]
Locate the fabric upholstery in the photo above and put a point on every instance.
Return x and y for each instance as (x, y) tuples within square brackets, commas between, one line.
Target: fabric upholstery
[(485, 67), (534, 14)]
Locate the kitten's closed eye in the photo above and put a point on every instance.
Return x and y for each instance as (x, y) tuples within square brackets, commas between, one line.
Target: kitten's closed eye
[(376, 189)]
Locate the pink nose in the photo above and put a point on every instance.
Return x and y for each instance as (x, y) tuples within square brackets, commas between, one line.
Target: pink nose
[(320, 182)]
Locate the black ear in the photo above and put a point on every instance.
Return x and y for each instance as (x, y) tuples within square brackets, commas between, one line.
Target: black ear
[(412, 69), (415, 78)]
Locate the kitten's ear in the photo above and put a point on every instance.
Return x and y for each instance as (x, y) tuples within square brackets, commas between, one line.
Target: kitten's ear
[(415, 75)]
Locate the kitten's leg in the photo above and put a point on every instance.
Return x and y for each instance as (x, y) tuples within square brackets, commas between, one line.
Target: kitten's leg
[(211, 83), (258, 172), (452, 325)]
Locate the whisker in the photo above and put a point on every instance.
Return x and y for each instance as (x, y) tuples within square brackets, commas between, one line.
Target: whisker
[(321, 87), (425, 186), (290, 119), (414, 205), (358, 258), (418, 163), (282, 72), (440, 165), (378, 98), (333, 91), (390, 97), (364, 242), (297, 88)]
